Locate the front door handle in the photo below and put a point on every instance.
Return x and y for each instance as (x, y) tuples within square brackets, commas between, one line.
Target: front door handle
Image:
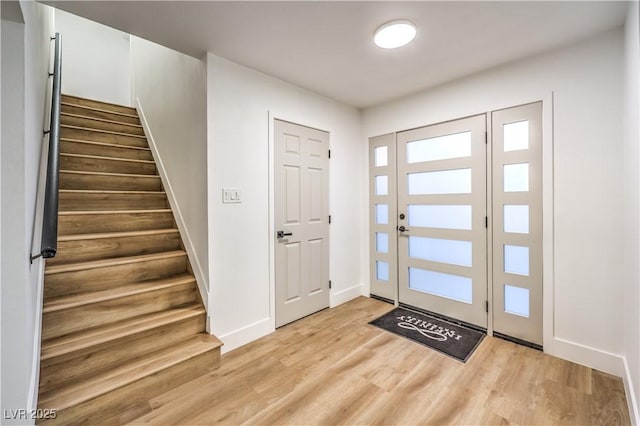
[(401, 228), (282, 234)]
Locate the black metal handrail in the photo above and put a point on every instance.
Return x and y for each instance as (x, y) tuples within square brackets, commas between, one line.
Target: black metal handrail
[(49, 245)]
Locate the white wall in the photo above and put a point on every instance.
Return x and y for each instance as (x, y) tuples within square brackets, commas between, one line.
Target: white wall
[(97, 63), (25, 63), (582, 180), (631, 209), (241, 103), (171, 90)]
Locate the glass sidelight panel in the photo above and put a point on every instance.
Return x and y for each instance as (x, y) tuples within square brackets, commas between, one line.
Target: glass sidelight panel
[(382, 271), (382, 185), (381, 156), (516, 136), (516, 177), (516, 260), (516, 218), (440, 284), (382, 242), (382, 214), (442, 182), (440, 216), (438, 250), (439, 148), (516, 300), (517, 222)]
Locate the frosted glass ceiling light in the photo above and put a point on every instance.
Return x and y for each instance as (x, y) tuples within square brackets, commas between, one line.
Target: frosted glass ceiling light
[(395, 34)]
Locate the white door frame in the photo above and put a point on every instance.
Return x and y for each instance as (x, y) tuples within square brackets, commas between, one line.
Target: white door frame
[(303, 120)]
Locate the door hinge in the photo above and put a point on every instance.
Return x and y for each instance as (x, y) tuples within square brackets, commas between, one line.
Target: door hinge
[(329, 153), (486, 138), (329, 219), (486, 221), (486, 306), (330, 284)]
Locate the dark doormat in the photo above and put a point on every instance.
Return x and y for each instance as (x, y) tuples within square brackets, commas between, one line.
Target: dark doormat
[(456, 341)]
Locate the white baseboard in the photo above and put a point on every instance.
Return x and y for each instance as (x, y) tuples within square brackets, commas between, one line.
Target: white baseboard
[(594, 358), (343, 296), (201, 278), (632, 398), (246, 334)]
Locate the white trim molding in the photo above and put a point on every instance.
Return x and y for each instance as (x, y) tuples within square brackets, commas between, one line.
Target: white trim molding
[(343, 296), (246, 334)]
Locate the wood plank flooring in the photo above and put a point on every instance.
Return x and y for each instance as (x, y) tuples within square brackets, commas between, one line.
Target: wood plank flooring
[(334, 368)]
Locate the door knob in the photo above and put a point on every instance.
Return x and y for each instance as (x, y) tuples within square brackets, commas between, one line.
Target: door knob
[(401, 228), (282, 234)]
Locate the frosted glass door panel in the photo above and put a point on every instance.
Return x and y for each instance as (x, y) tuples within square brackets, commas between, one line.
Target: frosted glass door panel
[(382, 185), (442, 204), (516, 300), (516, 219), (443, 182), (382, 214), (440, 216), (381, 156), (440, 148), (438, 250), (382, 242), (516, 260), (516, 136), (382, 269), (516, 177), (441, 284)]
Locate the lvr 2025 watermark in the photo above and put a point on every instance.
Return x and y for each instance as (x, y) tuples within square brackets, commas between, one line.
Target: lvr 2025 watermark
[(24, 414)]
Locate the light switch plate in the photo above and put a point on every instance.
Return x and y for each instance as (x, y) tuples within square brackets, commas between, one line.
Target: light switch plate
[(231, 195)]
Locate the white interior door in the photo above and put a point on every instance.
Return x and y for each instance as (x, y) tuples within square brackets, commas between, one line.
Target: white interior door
[(442, 228), (301, 220)]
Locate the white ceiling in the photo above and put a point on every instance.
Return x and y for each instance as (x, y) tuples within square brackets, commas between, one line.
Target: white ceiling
[(327, 46)]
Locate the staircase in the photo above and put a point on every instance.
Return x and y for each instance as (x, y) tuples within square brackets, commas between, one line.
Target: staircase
[(122, 318)]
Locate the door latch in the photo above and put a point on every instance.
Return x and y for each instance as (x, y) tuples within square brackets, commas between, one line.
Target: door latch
[(282, 234)]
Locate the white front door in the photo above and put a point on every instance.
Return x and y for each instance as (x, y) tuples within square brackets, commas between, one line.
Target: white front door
[(301, 220), (442, 244)]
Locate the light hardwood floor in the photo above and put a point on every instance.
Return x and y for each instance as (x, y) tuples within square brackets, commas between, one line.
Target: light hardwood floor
[(334, 368)]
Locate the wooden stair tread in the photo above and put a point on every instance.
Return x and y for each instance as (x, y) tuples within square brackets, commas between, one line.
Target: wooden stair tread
[(98, 109), (97, 236), (80, 266), (82, 299), (103, 120), (77, 393), (105, 144), (129, 135), (96, 212), (132, 175), (86, 338), (106, 191), (98, 157), (105, 106)]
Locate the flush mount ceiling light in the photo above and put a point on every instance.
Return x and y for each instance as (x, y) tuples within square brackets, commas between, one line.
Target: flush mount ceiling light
[(395, 34)]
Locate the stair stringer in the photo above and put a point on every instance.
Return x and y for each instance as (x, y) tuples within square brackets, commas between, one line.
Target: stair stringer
[(201, 278)]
